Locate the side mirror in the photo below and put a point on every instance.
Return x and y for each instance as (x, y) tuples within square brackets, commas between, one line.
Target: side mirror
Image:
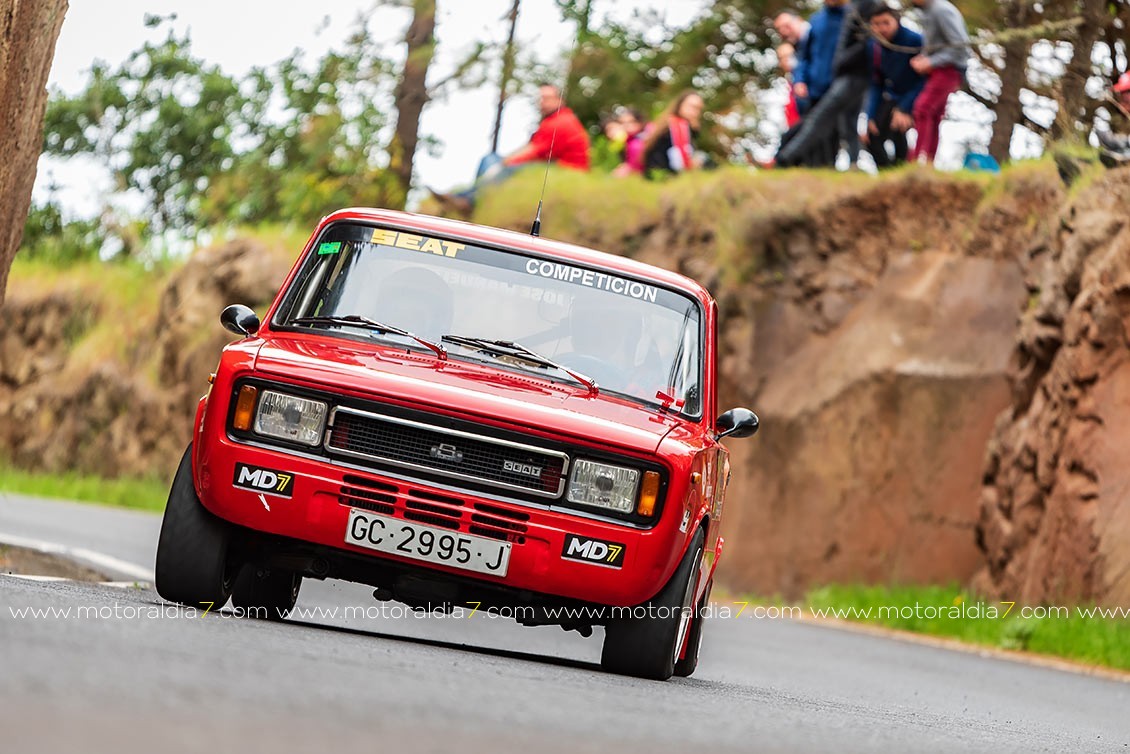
[(240, 320), (738, 422)]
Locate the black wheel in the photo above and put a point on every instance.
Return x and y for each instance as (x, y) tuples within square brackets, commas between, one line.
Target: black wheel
[(686, 666), (268, 593), (647, 643), (193, 566)]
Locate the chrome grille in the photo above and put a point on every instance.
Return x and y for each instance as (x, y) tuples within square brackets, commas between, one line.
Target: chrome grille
[(452, 453)]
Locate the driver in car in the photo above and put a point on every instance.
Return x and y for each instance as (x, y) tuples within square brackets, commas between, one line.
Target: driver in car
[(417, 299), (606, 343)]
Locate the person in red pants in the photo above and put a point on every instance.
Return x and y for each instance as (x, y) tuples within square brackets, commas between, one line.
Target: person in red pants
[(944, 59)]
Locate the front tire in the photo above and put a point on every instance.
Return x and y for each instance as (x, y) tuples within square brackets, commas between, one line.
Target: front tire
[(685, 667), (268, 593), (193, 565), (648, 645)]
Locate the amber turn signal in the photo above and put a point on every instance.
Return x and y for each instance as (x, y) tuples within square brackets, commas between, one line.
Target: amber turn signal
[(245, 407), (649, 494)]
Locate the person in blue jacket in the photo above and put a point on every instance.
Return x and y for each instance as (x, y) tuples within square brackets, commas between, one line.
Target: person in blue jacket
[(835, 112), (812, 78), (895, 85), (814, 73)]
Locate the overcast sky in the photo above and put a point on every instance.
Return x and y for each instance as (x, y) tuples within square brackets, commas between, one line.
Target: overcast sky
[(238, 35)]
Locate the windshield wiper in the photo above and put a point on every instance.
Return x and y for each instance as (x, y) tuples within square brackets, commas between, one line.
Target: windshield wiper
[(517, 350), (356, 320)]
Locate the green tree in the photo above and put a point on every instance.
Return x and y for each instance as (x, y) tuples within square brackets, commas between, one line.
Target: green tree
[(315, 138), (645, 63), (161, 122), (289, 141), (50, 236), (1048, 64)]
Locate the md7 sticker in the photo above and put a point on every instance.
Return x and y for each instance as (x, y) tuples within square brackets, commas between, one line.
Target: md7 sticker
[(595, 551), (267, 481)]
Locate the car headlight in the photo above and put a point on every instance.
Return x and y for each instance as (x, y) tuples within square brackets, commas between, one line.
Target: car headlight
[(288, 417), (604, 486)]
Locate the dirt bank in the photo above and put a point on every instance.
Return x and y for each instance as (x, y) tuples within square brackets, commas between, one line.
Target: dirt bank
[(26, 562), (1054, 520)]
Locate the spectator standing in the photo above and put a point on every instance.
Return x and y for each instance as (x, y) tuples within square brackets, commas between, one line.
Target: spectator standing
[(835, 113), (669, 147), (786, 61), (793, 31), (816, 51), (791, 28), (944, 60), (852, 68), (895, 86)]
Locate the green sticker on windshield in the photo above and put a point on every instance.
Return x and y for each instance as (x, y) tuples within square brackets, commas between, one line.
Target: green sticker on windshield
[(330, 247)]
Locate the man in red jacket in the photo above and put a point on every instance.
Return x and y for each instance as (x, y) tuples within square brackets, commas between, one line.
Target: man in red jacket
[(559, 138), (559, 131)]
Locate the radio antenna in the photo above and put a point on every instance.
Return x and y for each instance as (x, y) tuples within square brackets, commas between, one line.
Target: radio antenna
[(535, 229)]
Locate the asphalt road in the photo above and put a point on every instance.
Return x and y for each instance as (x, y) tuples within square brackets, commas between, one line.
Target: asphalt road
[(138, 677)]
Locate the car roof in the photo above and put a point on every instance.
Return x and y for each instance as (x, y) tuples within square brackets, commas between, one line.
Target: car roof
[(486, 235)]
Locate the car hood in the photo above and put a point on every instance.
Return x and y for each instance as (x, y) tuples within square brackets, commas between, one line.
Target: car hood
[(474, 391)]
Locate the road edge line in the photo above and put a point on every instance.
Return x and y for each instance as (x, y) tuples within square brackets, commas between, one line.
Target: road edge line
[(1036, 659), (81, 555)]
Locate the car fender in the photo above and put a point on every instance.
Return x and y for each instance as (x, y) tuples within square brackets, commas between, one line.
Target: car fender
[(198, 426)]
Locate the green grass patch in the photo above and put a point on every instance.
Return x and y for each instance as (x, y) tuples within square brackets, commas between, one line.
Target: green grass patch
[(141, 494), (1081, 633), (731, 215), (284, 241)]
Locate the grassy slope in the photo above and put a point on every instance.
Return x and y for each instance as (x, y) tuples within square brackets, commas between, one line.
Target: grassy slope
[(615, 214), (1071, 634), (142, 494), (127, 295)]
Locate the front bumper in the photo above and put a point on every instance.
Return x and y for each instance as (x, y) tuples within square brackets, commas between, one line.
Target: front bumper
[(322, 492)]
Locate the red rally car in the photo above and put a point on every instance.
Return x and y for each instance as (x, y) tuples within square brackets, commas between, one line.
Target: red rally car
[(465, 417)]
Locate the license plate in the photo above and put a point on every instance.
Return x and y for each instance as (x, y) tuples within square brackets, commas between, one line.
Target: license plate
[(427, 543)]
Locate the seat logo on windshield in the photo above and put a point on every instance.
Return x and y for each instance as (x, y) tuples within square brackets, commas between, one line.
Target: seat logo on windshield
[(445, 452), (413, 242)]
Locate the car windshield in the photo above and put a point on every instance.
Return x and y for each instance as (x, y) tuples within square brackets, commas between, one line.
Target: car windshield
[(631, 337)]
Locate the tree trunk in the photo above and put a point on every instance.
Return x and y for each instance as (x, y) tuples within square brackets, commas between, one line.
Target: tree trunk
[(1073, 118), (507, 75), (412, 93), (582, 12), (1009, 110), (28, 30)]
